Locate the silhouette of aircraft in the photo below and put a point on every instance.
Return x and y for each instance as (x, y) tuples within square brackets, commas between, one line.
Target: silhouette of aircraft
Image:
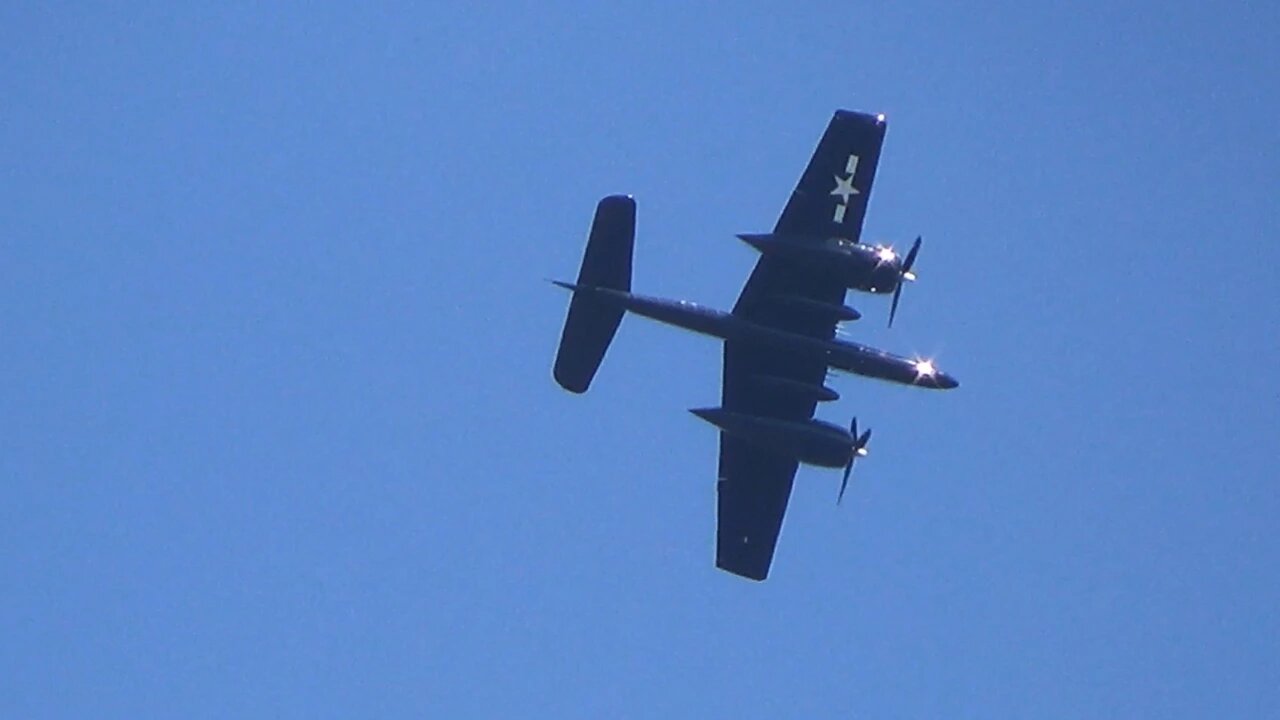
[(779, 340)]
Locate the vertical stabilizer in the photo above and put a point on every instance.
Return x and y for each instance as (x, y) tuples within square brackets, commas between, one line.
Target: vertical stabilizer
[(590, 327)]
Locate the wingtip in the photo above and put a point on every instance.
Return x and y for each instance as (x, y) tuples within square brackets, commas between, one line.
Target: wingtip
[(752, 574), (620, 200), (877, 118)]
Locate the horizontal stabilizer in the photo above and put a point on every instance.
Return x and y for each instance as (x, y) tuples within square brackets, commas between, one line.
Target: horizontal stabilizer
[(590, 327)]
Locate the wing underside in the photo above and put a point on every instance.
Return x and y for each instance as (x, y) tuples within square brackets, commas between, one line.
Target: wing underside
[(754, 482)]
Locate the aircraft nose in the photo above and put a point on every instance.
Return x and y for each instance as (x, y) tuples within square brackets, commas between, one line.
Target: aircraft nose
[(946, 382)]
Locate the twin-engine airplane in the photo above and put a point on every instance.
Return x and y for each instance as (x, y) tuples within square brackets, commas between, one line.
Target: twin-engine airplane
[(779, 341)]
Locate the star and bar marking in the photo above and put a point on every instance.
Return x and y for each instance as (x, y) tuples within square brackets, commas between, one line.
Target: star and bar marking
[(844, 188)]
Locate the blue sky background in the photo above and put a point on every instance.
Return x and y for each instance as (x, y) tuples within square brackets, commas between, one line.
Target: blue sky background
[(279, 439)]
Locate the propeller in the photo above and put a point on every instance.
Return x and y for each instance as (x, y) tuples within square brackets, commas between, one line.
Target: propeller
[(904, 274), (858, 450)]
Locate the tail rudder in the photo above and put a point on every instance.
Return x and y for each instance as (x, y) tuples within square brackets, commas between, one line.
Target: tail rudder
[(590, 327)]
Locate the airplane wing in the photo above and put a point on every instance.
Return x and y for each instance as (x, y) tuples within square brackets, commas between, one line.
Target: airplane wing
[(755, 483)]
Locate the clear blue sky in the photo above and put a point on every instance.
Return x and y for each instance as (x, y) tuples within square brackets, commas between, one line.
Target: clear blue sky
[(278, 436)]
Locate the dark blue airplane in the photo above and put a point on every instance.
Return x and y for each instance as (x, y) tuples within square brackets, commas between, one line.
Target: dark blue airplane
[(779, 340)]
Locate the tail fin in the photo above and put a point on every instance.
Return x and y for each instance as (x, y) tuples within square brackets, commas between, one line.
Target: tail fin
[(590, 327)]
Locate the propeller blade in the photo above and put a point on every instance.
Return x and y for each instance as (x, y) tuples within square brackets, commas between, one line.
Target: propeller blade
[(903, 274), (858, 450), (845, 482), (911, 255), (893, 308)]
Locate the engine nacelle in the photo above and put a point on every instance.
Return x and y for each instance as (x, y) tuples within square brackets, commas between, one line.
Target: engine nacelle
[(817, 393), (854, 265), (812, 442), (837, 313)]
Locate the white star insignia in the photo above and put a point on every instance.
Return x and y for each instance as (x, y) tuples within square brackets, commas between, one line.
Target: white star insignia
[(845, 188)]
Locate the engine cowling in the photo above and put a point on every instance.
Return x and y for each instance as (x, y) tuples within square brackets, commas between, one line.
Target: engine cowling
[(812, 442), (862, 267), (836, 313), (817, 393)]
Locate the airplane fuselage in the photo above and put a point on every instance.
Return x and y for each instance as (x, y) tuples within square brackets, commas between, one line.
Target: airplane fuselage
[(838, 354)]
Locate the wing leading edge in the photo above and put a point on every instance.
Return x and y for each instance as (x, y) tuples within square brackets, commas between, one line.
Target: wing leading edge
[(830, 200)]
